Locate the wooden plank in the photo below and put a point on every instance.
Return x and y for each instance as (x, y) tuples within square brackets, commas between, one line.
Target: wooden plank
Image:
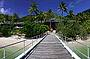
[(50, 48)]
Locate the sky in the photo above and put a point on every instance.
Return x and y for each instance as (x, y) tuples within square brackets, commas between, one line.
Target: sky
[(21, 7)]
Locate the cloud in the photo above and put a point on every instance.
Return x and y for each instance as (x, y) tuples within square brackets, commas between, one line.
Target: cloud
[(6, 11), (2, 10)]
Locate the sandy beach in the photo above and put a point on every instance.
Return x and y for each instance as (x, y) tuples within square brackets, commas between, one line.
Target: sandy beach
[(79, 42), (13, 39)]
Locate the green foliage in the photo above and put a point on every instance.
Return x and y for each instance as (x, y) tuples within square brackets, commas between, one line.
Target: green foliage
[(87, 26), (69, 27), (31, 29), (15, 18), (33, 10), (63, 7), (5, 30), (6, 25), (73, 25)]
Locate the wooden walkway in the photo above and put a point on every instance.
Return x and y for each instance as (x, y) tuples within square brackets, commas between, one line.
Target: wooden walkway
[(50, 48)]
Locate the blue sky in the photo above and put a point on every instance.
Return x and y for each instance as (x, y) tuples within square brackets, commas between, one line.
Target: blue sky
[(21, 6)]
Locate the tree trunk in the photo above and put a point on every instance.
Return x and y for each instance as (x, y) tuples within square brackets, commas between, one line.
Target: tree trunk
[(62, 13)]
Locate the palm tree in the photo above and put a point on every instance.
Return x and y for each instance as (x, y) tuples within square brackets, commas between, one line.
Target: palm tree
[(48, 15), (15, 17), (63, 7), (41, 16), (71, 14), (33, 9)]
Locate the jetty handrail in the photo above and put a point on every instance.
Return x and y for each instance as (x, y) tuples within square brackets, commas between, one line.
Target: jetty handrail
[(76, 48), (19, 49), (79, 51), (12, 44), (75, 41), (4, 56), (72, 53)]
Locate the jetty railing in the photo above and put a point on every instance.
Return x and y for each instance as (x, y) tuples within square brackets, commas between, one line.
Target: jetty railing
[(81, 49), (12, 50)]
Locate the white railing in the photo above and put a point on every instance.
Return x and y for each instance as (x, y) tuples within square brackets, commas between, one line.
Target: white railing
[(10, 52), (73, 54), (81, 50)]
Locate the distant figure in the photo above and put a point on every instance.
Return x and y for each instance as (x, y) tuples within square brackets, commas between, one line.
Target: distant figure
[(51, 30), (54, 31)]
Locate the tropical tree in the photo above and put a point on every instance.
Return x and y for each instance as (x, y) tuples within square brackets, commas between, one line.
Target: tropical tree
[(63, 7), (69, 27), (45, 16), (50, 14), (15, 17), (2, 18), (41, 16), (5, 25), (71, 14), (33, 10), (32, 29)]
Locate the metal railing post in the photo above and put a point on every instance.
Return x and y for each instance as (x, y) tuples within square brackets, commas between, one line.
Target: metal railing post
[(88, 51), (24, 46), (65, 40), (4, 53), (32, 42)]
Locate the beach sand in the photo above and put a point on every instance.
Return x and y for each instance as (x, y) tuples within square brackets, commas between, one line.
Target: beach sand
[(13, 39)]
